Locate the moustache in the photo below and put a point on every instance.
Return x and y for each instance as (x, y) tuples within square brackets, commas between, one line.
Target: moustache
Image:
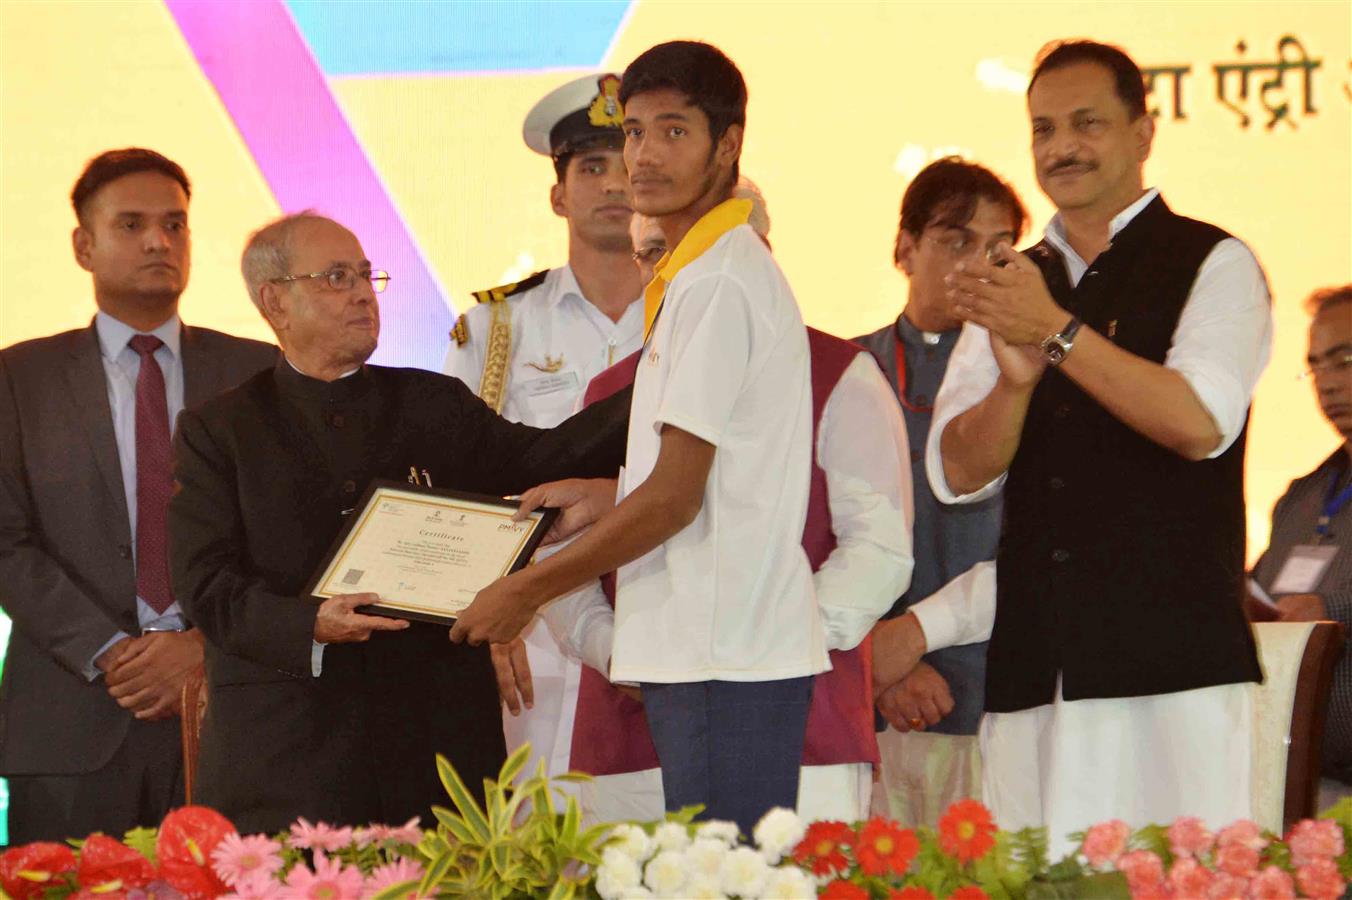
[(1071, 163)]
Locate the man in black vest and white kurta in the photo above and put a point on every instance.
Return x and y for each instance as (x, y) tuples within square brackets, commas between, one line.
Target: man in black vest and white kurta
[(1103, 384)]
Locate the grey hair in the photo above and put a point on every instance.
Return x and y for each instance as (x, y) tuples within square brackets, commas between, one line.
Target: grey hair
[(267, 254)]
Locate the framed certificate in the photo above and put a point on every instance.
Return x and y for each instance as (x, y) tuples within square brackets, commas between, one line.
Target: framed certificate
[(427, 551)]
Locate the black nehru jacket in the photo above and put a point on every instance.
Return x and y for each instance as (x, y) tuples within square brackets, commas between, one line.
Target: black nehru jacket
[(1121, 564), (265, 474)]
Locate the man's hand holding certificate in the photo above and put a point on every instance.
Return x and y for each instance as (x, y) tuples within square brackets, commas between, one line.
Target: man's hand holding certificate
[(420, 553)]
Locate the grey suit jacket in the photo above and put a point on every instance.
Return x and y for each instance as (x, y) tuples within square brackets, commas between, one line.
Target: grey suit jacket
[(66, 574)]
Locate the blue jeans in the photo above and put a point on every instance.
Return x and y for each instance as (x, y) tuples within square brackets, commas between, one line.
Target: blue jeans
[(733, 746)]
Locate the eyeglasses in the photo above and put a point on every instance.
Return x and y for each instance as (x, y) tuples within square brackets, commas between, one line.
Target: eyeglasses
[(650, 255), (342, 278), (1328, 366)]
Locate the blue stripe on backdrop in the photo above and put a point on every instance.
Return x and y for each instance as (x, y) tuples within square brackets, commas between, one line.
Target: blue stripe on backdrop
[(370, 37)]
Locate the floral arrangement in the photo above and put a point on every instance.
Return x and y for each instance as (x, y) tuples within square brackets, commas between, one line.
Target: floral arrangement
[(516, 844)]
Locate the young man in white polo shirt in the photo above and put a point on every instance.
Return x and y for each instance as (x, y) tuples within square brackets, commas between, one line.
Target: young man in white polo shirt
[(715, 615)]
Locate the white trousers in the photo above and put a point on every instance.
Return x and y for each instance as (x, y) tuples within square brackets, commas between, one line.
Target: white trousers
[(1070, 764), (923, 773), (548, 726)]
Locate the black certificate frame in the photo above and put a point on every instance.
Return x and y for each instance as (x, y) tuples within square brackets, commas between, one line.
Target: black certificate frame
[(542, 519)]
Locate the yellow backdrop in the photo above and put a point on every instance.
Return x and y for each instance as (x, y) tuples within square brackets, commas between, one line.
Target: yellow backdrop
[(847, 100)]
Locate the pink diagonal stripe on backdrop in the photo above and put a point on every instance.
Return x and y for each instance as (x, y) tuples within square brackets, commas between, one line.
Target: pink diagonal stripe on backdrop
[(280, 102)]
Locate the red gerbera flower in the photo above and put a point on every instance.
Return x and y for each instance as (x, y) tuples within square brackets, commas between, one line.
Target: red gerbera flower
[(885, 847), (966, 831), (971, 892), (28, 871), (843, 890), (823, 847)]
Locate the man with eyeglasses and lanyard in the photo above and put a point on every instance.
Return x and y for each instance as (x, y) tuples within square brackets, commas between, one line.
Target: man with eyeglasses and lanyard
[(953, 210), (315, 709), (528, 350), (1307, 567)]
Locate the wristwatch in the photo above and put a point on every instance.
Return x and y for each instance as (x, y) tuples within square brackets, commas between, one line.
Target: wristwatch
[(1056, 346)]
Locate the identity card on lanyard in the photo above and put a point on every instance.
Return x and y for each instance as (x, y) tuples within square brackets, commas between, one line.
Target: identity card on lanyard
[(1305, 567)]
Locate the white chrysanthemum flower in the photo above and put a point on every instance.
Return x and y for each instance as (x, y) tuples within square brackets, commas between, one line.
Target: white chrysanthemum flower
[(720, 831), (617, 875), (672, 836), (789, 883), (666, 874), (632, 841), (702, 888), (638, 893), (778, 832), (704, 857), (744, 872)]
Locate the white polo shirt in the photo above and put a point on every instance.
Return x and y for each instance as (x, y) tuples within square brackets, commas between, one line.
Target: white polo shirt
[(730, 596)]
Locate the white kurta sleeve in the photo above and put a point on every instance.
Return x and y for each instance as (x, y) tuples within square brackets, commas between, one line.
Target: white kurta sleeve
[(960, 612), (1223, 339), (972, 373), (863, 451), (583, 624)]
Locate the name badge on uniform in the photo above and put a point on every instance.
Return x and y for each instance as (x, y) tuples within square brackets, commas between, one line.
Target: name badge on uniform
[(552, 384), (1304, 569)]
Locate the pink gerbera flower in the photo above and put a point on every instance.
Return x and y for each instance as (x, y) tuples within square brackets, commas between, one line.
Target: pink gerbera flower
[(390, 874), (238, 858), (322, 836), (1320, 878), (1245, 833), (1272, 884), (259, 886), (408, 833), (330, 880)]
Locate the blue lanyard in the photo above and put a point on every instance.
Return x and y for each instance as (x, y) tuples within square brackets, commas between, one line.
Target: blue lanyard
[(1334, 500)]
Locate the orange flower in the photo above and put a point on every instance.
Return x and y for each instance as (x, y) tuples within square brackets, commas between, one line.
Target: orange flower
[(843, 890), (885, 847), (966, 831), (823, 848)]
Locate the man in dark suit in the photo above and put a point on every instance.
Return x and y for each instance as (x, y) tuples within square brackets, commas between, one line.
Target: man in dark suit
[(315, 709), (89, 728)]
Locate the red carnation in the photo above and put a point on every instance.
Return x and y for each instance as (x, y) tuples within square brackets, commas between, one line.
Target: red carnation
[(843, 890), (29, 870), (885, 847), (108, 865), (823, 847), (187, 837), (966, 831)]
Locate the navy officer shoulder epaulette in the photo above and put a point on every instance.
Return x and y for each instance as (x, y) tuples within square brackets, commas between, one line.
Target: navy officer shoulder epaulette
[(460, 333)]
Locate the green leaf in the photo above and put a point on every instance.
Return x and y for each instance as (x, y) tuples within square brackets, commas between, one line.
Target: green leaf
[(142, 840), (572, 818), (563, 890), (464, 801), (686, 814), (396, 891), (438, 868), (573, 778), (1100, 886), (513, 765)]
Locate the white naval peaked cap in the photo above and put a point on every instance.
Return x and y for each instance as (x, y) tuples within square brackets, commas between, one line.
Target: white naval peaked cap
[(584, 110)]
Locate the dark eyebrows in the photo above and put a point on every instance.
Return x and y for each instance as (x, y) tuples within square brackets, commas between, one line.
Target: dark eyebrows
[(1345, 347)]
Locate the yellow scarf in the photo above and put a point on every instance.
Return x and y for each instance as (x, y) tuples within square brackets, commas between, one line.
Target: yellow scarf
[(702, 235)]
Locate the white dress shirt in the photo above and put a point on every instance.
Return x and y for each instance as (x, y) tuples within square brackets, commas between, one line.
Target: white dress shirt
[(1221, 345), (121, 368), (553, 327)]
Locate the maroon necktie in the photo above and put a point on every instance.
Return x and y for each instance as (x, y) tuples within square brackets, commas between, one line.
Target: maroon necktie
[(154, 482)]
